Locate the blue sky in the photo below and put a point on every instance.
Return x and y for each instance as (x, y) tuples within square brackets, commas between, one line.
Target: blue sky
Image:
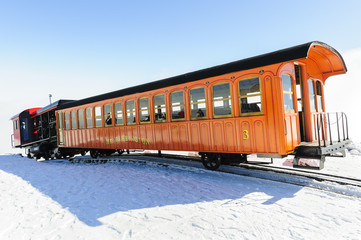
[(75, 49)]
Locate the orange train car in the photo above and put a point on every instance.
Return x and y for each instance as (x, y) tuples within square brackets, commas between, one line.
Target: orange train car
[(271, 105)]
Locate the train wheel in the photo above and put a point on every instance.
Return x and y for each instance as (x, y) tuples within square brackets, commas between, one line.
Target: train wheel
[(83, 152), (120, 151), (211, 161), (94, 153)]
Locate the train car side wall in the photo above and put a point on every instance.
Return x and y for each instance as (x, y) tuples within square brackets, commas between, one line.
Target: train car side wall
[(254, 123)]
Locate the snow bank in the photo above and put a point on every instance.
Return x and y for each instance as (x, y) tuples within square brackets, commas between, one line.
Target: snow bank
[(55, 200), (354, 148)]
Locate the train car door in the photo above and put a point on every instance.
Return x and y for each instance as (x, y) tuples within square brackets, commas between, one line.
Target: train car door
[(300, 102), (25, 130), (292, 130)]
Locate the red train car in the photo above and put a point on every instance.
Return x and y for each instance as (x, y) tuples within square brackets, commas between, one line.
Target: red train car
[(35, 131)]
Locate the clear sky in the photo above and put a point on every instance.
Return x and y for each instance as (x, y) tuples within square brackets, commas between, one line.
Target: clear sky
[(76, 49)]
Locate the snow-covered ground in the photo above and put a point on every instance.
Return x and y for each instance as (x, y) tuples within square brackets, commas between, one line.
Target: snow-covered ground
[(59, 200)]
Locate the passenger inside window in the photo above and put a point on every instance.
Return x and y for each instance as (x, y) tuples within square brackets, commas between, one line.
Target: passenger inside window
[(108, 115), (159, 108), (198, 103), (250, 96)]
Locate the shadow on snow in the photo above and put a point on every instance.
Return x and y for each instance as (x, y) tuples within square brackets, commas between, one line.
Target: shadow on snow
[(92, 191)]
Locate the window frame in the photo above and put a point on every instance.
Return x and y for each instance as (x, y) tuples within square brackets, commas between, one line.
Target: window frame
[(314, 95), (252, 95), (81, 119), (140, 110), (97, 117), (67, 121), (73, 119), (16, 124), (223, 99), (91, 117), (179, 105), (107, 115), (157, 108), (134, 112), (118, 114), (319, 103), (295, 104), (61, 127), (205, 102)]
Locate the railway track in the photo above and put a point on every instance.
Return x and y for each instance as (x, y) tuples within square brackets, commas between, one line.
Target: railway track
[(327, 182)]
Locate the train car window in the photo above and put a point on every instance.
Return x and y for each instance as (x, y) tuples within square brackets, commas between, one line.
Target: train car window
[(67, 121), (89, 117), (319, 96), (130, 106), (16, 124), (311, 90), (177, 103), (107, 115), (222, 102), (250, 96), (288, 93), (81, 118), (118, 110), (61, 127), (73, 120), (198, 103), (98, 116), (159, 108), (144, 114)]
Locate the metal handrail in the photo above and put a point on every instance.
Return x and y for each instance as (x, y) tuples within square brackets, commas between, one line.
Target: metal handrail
[(323, 120)]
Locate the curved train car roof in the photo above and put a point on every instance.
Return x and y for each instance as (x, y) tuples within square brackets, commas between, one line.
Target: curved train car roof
[(316, 51), (38, 111)]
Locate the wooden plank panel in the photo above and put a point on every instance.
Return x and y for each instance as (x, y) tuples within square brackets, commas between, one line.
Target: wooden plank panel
[(218, 136), (194, 138), (260, 140), (175, 136), (230, 141), (205, 137)]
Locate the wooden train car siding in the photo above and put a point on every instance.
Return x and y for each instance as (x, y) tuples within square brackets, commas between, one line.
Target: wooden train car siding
[(246, 134), (214, 114)]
